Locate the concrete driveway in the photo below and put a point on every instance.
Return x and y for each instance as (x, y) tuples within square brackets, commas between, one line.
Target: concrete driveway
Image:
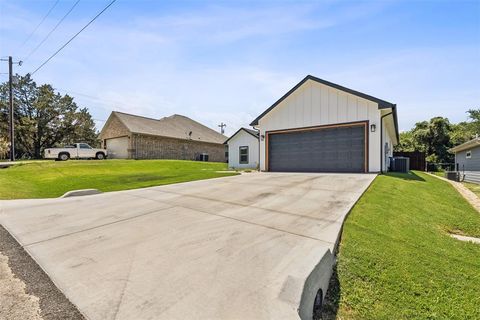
[(255, 246)]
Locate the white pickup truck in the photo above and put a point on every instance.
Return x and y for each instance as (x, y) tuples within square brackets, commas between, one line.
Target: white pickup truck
[(75, 151)]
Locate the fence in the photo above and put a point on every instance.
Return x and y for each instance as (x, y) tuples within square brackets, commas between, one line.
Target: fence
[(417, 159), (440, 166)]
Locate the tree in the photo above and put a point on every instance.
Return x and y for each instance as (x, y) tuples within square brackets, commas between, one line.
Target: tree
[(436, 136), (406, 143), (44, 118), (4, 146), (431, 137)]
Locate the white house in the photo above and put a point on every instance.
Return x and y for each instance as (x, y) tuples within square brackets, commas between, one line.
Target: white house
[(319, 126), (243, 149)]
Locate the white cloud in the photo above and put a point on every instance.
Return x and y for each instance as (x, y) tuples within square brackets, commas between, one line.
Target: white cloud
[(220, 63)]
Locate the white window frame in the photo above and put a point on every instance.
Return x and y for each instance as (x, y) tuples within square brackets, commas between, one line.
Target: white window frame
[(240, 154), (468, 154)]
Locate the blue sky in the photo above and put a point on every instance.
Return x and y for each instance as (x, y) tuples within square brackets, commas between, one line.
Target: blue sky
[(230, 60)]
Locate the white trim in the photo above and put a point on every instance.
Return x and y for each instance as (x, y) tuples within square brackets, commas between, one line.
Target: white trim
[(240, 155)]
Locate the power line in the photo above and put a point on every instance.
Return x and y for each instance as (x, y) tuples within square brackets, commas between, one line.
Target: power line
[(51, 31), (38, 25), (105, 102), (71, 39)]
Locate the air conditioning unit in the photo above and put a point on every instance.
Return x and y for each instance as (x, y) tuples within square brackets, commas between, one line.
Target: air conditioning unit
[(400, 164)]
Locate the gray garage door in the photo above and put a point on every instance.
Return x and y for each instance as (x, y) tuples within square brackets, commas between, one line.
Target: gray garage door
[(339, 149)]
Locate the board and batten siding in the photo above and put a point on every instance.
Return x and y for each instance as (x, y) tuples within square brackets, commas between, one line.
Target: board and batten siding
[(241, 139), (315, 104)]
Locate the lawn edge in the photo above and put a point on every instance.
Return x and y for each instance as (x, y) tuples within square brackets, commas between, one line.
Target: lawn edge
[(466, 193)]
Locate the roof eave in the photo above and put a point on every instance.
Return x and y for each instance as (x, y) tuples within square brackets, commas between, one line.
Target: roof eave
[(395, 121), (236, 132), (382, 104), (465, 146)]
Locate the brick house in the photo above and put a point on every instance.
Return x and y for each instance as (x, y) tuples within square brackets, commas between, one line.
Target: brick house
[(127, 136)]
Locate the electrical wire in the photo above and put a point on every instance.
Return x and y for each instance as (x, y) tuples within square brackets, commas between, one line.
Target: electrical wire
[(105, 102), (51, 31), (38, 25), (71, 39)]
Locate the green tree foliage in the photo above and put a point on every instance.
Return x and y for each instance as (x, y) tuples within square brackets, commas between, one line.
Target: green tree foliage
[(436, 136), (44, 118)]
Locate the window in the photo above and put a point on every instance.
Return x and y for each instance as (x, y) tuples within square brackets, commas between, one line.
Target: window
[(469, 154), (243, 151), (84, 146)]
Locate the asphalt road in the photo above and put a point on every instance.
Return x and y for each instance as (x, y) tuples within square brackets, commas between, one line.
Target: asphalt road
[(255, 246)]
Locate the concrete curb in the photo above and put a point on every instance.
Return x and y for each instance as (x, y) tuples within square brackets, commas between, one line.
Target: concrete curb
[(319, 278), (79, 193)]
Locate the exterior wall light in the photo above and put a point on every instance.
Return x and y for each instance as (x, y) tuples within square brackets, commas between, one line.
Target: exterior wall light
[(262, 137), (373, 127)]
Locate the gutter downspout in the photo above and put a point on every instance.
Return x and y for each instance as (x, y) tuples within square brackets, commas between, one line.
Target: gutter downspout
[(381, 140), (258, 147)]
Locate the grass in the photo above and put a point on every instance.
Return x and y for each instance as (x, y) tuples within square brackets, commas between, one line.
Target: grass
[(475, 188), (438, 173), (46, 179), (396, 259)]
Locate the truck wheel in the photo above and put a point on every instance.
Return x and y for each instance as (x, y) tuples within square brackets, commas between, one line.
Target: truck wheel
[(63, 156), (100, 156)]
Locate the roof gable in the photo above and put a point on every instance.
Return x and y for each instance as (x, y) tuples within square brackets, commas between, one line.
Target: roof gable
[(175, 126), (249, 131), (382, 104)]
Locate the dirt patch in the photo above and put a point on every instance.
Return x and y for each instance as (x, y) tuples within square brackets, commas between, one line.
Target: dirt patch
[(26, 291), (15, 303)]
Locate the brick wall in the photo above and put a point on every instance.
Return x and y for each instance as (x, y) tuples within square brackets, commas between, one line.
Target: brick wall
[(114, 128), (153, 147)]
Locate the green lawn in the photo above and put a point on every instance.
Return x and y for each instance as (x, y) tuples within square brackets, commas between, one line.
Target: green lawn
[(439, 173), (44, 179), (396, 259)]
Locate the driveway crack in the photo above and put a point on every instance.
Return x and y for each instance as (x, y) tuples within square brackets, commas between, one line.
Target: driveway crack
[(99, 226)]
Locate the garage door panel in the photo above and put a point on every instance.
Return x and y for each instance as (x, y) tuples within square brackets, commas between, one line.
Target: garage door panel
[(339, 149), (117, 148)]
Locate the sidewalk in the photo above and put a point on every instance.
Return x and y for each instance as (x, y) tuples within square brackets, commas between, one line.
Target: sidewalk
[(6, 164)]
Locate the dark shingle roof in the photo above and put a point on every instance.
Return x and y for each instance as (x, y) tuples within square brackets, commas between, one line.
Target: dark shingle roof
[(175, 126)]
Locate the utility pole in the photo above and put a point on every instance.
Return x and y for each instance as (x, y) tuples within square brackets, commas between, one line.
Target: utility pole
[(10, 100), (222, 127)]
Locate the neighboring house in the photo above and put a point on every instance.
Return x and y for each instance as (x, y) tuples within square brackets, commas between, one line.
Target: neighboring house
[(127, 136), (319, 126), (243, 149), (467, 159)]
